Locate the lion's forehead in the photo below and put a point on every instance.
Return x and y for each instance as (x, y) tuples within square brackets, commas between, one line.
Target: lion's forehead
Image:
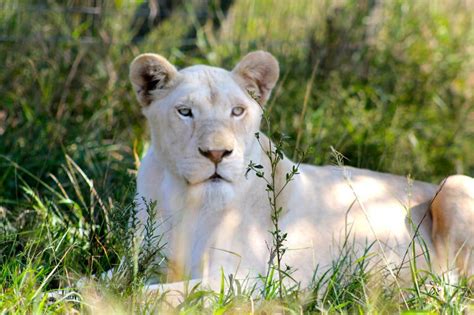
[(215, 85), (202, 72)]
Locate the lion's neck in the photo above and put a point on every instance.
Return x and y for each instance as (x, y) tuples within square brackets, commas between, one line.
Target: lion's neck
[(203, 220)]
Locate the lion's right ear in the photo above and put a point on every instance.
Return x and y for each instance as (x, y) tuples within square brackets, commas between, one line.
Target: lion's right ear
[(150, 73), (258, 73)]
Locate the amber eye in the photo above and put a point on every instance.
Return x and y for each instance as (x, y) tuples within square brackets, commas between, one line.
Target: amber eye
[(185, 112), (238, 111)]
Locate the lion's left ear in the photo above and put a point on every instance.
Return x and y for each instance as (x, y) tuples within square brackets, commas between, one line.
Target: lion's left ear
[(151, 74), (258, 73)]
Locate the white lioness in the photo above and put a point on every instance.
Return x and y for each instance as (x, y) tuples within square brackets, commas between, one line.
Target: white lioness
[(203, 122)]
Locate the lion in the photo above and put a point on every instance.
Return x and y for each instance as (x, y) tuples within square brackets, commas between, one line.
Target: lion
[(215, 215)]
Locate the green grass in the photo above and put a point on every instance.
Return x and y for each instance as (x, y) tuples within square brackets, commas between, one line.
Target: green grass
[(390, 87)]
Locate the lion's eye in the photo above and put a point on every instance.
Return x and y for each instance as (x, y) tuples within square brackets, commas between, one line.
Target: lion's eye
[(185, 112), (238, 111)]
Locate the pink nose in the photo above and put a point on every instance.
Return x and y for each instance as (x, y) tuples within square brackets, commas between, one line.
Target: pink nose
[(215, 156)]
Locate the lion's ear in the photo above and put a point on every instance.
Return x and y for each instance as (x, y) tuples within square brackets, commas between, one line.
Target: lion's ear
[(258, 73), (150, 73)]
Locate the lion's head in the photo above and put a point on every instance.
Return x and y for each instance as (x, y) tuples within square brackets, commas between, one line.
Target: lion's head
[(203, 119)]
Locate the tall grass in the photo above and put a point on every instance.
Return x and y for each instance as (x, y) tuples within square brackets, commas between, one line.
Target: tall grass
[(389, 85)]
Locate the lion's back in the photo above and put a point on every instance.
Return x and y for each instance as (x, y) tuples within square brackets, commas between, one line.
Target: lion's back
[(329, 205)]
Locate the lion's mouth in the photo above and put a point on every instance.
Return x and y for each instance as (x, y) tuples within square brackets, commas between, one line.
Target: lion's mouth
[(215, 178)]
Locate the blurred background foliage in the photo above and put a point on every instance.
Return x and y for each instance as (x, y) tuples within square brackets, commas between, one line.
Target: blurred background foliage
[(389, 84)]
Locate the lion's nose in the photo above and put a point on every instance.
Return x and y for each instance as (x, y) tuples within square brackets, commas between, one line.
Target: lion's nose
[(215, 156)]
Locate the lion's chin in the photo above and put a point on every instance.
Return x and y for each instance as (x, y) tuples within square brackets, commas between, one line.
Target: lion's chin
[(213, 194)]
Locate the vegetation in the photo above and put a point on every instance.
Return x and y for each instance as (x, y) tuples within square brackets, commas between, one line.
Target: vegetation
[(389, 85)]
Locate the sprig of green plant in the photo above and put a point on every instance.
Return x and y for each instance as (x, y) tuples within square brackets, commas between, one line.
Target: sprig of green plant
[(274, 152)]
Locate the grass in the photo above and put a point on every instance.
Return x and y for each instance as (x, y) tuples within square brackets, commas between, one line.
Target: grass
[(389, 86)]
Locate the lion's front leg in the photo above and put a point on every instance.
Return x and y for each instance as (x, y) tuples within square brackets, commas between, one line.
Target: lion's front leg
[(174, 293)]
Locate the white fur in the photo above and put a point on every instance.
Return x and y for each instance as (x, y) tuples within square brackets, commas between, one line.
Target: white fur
[(226, 224)]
